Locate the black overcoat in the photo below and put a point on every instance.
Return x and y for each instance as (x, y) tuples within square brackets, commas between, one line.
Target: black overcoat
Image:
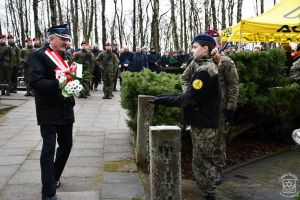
[(51, 106)]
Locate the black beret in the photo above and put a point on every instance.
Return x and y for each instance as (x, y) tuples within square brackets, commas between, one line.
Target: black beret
[(204, 38), (61, 31)]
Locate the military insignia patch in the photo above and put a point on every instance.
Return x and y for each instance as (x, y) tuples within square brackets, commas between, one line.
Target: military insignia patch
[(197, 84)]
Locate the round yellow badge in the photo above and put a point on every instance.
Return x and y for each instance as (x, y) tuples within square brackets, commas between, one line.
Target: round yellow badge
[(197, 84)]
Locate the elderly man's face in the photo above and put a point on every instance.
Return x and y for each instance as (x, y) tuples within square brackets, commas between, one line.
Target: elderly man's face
[(58, 43)]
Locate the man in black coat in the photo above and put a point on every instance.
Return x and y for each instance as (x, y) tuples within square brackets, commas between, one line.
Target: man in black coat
[(55, 114)]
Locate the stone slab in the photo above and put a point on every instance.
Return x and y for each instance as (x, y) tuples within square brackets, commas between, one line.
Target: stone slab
[(87, 195), (82, 172), (26, 177), (121, 190), (11, 160)]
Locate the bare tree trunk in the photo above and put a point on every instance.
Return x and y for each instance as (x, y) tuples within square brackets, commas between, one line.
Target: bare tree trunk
[(239, 10), (262, 3), (121, 26), (103, 23), (134, 26), (53, 12), (37, 31), (174, 26), (27, 30), (90, 27), (223, 11), (155, 25), (206, 15), (59, 12), (230, 12), (13, 19), (181, 23), (141, 31), (274, 2), (6, 13), (48, 13), (113, 38), (214, 14), (96, 25), (84, 21), (184, 25), (20, 13), (74, 10), (256, 7)]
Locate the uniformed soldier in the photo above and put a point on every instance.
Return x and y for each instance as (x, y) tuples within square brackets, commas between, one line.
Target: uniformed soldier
[(229, 81), (96, 73), (6, 59), (201, 103), (87, 59), (109, 64), (24, 55), (15, 63), (36, 42)]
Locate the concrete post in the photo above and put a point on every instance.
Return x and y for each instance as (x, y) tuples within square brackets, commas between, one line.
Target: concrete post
[(144, 119), (165, 163)]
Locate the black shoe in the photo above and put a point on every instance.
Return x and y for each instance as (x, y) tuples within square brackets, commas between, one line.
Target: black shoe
[(115, 90), (57, 183), (218, 177), (7, 94), (111, 95), (27, 94), (104, 97), (14, 91), (207, 196), (54, 197)]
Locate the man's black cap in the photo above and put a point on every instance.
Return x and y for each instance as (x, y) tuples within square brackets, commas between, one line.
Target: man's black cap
[(61, 31)]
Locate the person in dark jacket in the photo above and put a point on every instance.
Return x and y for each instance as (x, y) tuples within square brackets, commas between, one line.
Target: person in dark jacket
[(201, 109), (55, 114), (153, 60), (139, 61)]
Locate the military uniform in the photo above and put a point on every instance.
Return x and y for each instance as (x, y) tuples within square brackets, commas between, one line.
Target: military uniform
[(229, 81), (24, 56), (201, 102), (6, 59), (15, 68), (109, 64), (87, 59), (295, 72)]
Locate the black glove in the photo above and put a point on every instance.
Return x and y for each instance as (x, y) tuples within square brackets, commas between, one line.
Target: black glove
[(228, 115)]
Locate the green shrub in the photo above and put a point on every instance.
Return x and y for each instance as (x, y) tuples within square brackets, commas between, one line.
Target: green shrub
[(149, 83), (265, 96)]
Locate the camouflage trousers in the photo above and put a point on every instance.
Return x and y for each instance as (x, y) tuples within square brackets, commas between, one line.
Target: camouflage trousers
[(108, 80), (220, 152), (203, 162)]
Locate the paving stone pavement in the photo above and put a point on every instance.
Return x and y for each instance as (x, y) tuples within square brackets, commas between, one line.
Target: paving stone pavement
[(101, 135)]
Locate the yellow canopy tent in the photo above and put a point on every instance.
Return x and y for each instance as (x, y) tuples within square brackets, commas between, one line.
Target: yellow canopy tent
[(280, 24)]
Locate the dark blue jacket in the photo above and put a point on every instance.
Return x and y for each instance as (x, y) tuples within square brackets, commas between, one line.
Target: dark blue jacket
[(139, 62)]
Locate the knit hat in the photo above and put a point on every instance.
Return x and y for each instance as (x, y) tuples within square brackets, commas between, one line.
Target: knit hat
[(10, 36), (212, 33)]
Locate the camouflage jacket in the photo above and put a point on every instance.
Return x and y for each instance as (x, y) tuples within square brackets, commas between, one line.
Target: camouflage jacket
[(25, 54), (295, 72), (229, 81), (85, 58), (191, 68), (6, 56), (16, 55), (108, 61)]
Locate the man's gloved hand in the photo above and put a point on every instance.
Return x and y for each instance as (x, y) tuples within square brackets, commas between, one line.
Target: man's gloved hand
[(228, 115)]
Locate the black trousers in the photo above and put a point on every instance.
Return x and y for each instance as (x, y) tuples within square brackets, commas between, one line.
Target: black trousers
[(51, 170)]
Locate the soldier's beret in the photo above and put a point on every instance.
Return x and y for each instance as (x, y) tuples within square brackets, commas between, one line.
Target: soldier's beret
[(28, 40), (36, 38), (2, 36), (204, 38), (107, 44), (212, 33), (61, 31), (10, 36), (83, 42)]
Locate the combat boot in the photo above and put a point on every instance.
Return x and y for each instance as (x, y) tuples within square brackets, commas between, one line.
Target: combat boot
[(2, 92)]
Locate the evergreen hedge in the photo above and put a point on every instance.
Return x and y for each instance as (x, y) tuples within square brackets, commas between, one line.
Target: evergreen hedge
[(266, 96)]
